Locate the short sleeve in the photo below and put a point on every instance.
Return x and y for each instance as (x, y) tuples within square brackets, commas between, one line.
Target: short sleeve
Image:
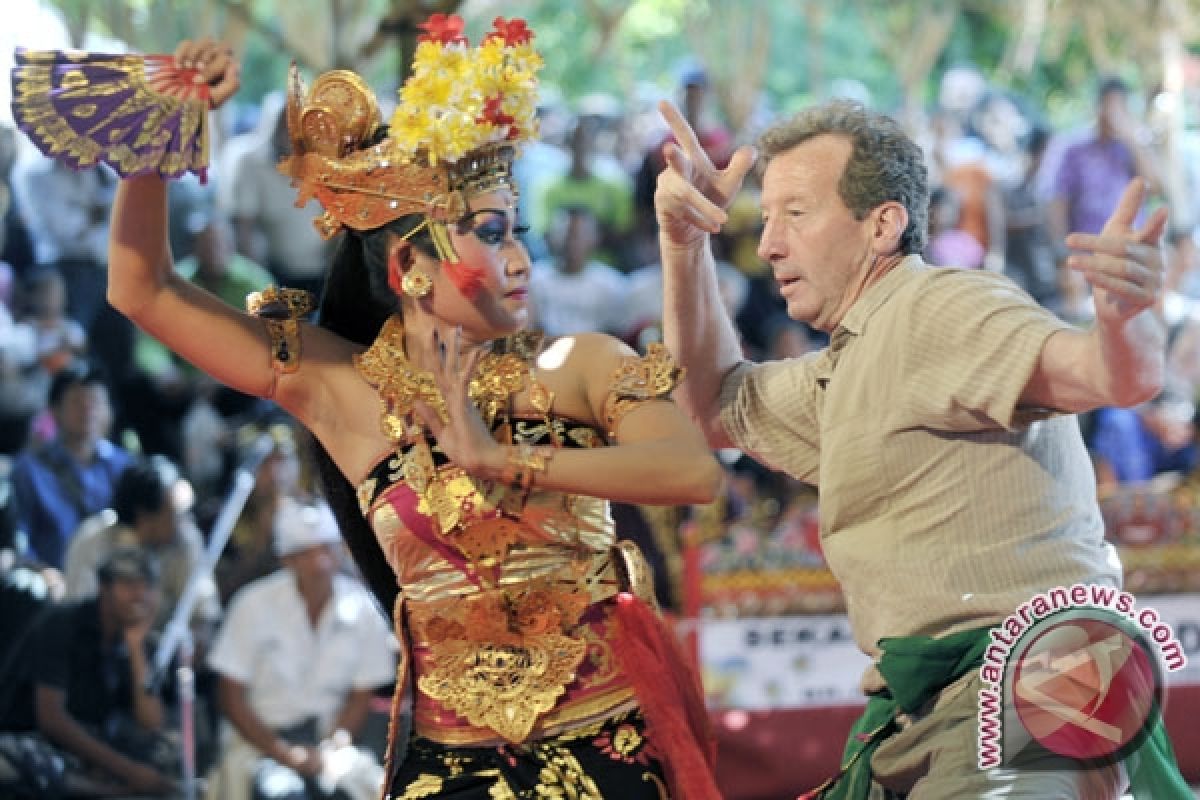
[(770, 411), (233, 648), (974, 341)]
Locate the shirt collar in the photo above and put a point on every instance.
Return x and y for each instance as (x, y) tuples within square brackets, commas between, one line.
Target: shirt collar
[(856, 318), (877, 294)]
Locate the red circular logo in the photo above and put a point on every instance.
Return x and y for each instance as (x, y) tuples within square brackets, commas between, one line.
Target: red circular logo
[(1084, 688)]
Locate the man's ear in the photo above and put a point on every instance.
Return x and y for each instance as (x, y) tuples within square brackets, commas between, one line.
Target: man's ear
[(891, 220)]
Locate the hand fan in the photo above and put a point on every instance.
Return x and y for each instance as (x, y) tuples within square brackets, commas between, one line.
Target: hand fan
[(138, 114)]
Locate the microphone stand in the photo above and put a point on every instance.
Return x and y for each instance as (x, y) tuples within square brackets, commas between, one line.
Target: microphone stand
[(177, 636)]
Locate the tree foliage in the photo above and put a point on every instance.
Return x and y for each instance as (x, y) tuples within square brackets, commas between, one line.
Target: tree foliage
[(776, 52)]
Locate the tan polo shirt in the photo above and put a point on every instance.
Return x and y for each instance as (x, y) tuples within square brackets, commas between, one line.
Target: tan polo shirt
[(943, 505)]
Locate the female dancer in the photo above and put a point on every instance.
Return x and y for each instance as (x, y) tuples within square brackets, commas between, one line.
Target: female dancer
[(465, 457)]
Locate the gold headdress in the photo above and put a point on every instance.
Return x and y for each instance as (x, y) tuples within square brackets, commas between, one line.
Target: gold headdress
[(462, 114)]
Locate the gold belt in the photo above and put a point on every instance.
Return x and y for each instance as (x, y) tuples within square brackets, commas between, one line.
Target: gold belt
[(502, 657)]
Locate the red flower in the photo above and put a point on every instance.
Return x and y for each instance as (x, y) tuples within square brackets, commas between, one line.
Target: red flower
[(493, 113), (513, 32), (442, 28)]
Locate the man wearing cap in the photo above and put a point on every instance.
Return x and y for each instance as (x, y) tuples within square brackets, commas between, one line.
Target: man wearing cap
[(299, 655), (89, 664)]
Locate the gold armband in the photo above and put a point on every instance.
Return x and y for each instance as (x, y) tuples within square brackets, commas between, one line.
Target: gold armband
[(651, 377), (281, 310)]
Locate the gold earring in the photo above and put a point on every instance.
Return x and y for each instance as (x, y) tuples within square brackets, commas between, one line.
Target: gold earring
[(416, 283)]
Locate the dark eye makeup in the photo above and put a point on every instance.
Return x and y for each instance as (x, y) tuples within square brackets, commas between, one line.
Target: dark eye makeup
[(492, 227)]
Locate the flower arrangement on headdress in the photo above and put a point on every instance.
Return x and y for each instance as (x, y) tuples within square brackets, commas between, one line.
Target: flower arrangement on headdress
[(461, 99)]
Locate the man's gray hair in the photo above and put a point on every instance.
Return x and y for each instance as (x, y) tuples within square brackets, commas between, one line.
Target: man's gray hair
[(885, 164)]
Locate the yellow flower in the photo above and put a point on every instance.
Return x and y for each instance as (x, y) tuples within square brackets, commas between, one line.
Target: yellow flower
[(442, 101), (437, 89), (491, 55)]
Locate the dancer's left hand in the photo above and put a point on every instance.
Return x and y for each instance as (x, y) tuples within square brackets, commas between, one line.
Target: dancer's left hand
[(462, 434)]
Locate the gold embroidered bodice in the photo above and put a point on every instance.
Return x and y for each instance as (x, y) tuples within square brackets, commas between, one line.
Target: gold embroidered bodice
[(503, 592)]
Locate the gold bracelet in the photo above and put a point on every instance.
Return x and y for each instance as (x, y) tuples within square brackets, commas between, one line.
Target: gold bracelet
[(523, 462)]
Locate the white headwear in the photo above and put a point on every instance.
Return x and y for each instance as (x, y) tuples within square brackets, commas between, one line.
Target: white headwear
[(299, 526)]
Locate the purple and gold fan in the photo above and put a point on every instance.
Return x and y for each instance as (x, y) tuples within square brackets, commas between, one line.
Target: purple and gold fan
[(138, 114)]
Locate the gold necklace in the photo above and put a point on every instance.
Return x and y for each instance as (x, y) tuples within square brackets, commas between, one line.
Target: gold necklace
[(500, 375)]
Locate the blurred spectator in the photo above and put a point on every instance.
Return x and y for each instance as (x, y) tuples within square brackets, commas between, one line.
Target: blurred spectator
[(574, 292), (716, 140), (16, 248), (89, 674), (1132, 445), (215, 265), (299, 655), (1002, 127), (960, 91), (66, 213), (20, 399), (1182, 279), (1093, 172), (644, 302), (950, 245), (1030, 250), (57, 338), (540, 161), (981, 205), (150, 510), (71, 476), (249, 554), (269, 229), (24, 595), (608, 197)]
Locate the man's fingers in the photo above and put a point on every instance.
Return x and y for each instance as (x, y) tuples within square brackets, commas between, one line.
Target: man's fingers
[(1108, 243), (676, 159), (741, 163), (1125, 215), (683, 132), (1152, 232), (688, 203)]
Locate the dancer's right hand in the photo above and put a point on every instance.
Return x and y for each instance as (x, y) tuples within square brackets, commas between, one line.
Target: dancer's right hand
[(217, 65)]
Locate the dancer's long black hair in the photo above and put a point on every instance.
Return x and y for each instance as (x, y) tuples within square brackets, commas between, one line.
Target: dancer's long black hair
[(355, 303)]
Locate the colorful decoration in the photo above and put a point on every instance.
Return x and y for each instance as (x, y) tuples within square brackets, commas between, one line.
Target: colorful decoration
[(137, 114)]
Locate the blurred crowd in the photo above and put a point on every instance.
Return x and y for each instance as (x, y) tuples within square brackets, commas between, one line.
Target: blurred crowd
[(116, 458)]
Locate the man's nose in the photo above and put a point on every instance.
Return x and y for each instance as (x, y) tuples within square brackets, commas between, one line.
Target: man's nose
[(770, 245)]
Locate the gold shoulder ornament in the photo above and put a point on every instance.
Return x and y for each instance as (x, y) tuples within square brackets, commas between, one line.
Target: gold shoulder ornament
[(638, 380)]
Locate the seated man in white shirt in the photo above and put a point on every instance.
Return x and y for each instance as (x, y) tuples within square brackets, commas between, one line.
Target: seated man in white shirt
[(299, 655)]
